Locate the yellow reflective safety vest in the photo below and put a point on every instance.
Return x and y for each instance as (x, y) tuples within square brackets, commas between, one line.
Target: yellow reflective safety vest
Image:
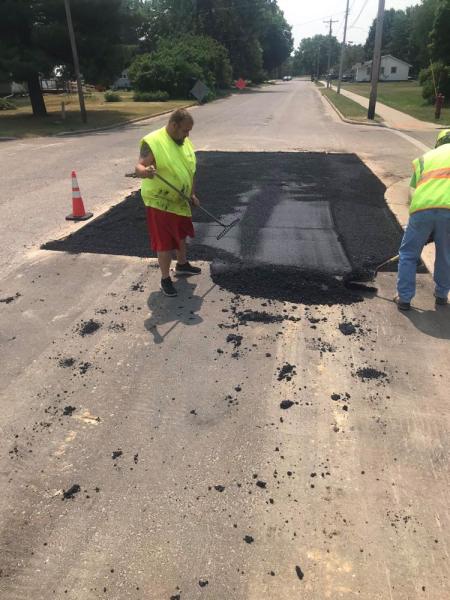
[(175, 163), (431, 179)]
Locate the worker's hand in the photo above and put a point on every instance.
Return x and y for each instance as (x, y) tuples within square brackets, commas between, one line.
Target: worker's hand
[(151, 171), (194, 200)]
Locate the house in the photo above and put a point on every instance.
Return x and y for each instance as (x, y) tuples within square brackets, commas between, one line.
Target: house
[(10, 88), (391, 69), (122, 82)]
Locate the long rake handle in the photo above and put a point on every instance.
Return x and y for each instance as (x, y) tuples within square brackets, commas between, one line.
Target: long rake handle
[(188, 200)]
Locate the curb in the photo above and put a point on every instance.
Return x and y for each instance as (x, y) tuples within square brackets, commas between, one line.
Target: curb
[(117, 125), (351, 121), (105, 128)]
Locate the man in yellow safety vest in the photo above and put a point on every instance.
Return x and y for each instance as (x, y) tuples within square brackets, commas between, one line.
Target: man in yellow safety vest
[(170, 152), (429, 217)]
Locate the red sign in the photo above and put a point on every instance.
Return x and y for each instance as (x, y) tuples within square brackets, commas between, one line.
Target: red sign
[(240, 84)]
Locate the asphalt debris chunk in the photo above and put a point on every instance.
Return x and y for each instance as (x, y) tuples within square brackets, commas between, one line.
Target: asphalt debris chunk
[(248, 539), (66, 362), (347, 328), (68, 410), (299, 572), (70, 493), (366, 373), (287, 371), (88, 327), (116, 454), (285, 404)]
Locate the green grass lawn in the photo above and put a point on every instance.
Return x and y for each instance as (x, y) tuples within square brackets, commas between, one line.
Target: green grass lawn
[(21, 122), (348, 108), (402, 95)]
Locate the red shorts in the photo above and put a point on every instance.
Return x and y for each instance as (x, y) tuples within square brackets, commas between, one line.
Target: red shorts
[(167, 229)]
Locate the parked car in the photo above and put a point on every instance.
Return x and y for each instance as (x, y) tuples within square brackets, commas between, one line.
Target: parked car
[(287, 78)]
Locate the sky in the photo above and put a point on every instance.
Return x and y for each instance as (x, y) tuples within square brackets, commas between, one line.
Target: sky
[(306, 16)]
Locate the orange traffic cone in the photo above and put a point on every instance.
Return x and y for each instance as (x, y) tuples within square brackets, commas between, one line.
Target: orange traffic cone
[(78, 212)]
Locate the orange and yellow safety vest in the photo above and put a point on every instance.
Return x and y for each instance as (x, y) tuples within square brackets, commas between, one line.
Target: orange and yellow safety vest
[(431, 180)]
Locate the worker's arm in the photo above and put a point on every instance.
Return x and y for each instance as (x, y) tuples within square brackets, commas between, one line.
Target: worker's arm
[(146, 166), (412, 187), (194, 200)]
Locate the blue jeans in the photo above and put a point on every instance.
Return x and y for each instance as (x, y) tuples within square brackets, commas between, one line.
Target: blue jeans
[(421, 225)]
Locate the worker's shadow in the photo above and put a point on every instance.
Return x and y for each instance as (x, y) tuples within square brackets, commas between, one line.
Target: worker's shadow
[(180, 309), (435, 323)]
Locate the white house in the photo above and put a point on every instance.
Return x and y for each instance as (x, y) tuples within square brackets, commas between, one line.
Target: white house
[(391, 69), (122, 82)]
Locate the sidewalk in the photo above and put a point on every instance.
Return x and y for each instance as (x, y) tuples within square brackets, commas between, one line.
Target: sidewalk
[(393, 118)]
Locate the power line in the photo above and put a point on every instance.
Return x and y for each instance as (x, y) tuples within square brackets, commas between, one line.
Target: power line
[(360, 13)]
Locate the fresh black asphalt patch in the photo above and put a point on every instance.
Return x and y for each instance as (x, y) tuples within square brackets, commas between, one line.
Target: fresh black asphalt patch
[(254, 186)]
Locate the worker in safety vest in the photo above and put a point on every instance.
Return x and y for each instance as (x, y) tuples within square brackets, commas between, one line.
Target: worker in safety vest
[(169, 152), (429, 217)]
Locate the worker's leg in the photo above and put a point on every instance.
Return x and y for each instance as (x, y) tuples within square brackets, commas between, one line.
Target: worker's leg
[(181, 252), (442, 262), (417, 233), (164, 260)]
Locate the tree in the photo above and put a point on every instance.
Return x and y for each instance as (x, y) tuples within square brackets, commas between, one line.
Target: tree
[(178, 62), (254, 32), (311, 56), (440, 34), (34, 40), (434, 80)]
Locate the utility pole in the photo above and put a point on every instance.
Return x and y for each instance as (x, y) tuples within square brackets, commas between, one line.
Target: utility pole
[(329, 48), (75, 61), (341, 66), (318, 64), (376, 62)]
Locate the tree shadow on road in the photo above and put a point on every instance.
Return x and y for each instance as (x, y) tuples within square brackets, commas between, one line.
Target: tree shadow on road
[(180, 309)]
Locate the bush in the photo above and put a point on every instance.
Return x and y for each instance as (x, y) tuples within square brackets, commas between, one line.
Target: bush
[(6, 104), (178, 62), (157, 96), (441, 78), (112, 97)]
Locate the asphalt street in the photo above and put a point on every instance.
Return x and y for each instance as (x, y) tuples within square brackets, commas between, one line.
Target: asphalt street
[(233, 443)]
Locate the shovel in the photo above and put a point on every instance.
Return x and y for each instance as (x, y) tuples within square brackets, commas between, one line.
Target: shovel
[(226, 228), (351, 279)]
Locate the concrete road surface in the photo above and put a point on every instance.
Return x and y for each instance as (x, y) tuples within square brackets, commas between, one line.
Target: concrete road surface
[(217, 445)]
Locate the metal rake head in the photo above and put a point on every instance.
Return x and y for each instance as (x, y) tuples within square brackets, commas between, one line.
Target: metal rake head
[(227, 228)]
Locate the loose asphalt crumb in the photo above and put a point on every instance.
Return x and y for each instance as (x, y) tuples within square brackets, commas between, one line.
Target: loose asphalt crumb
[(287, 371), (235, 339), (367, 373), (88, 327), (10, 299), (66, 362), (347, 328), (116, 454), (299, 572), (68, 410), (70, 493), (248, 539), (285, 404), (203, 582), (84, 367)]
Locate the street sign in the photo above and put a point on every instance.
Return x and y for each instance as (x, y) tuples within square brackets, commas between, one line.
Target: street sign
[(200, 90), (241, 84)]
